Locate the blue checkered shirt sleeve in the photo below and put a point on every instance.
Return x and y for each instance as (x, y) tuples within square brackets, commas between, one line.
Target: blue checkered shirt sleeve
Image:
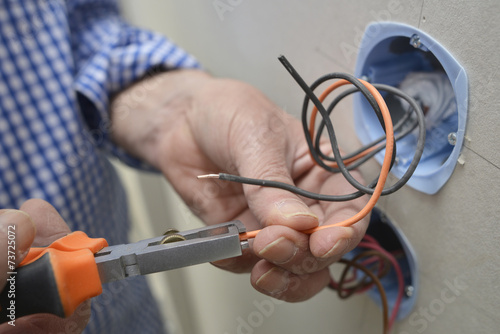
[(109, 55)]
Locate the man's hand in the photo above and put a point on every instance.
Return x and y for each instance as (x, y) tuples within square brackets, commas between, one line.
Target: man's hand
[(187, 123), (37, 223)]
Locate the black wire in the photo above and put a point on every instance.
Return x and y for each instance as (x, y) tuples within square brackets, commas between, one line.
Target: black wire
[(333, 141), (284, 186), (329, 126)]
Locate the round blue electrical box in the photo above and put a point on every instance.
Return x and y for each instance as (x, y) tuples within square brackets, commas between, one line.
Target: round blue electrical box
[(405, 57)]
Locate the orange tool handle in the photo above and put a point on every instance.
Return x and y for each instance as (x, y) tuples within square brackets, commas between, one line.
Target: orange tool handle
[(54, 279)]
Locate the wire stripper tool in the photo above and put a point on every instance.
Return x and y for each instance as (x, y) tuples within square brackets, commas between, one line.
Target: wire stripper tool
[(57, 278)]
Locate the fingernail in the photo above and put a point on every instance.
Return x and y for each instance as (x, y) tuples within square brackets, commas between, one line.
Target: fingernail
[(19, 224), (292, 208), (338, 248), (279, 251), (274, 281)]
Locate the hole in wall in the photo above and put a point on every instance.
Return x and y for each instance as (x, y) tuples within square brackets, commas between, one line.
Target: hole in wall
[(414, 62)]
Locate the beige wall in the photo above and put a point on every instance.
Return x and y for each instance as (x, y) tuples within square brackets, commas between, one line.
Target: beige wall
[(455, 232)]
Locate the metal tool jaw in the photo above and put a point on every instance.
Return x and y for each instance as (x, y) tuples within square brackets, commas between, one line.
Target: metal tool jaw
[(148, 256)]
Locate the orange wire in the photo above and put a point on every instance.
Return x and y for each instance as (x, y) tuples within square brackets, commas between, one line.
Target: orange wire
[(386, 165)]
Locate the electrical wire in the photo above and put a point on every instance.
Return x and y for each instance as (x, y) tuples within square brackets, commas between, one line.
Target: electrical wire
[(370, 152), (378, 284), (363, 151), (363, 285), (397, 269)]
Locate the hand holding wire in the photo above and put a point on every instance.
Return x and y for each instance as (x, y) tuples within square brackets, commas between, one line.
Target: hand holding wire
[(337, 164), (379, 105)]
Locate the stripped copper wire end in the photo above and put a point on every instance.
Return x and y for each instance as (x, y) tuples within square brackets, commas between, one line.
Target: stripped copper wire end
[(208, 176)]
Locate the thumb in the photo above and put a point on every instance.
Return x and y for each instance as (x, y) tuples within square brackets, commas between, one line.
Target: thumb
[(279, 207), (272, 206), (50, 226), (272, 159), (17, 233)]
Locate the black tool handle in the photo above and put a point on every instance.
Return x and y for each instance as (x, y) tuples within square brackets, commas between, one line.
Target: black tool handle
[(32, 289)]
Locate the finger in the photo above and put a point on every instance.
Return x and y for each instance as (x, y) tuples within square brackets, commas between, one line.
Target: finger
[(17, 233), (334, 242), (240, 264), (288, 249), (281, 284), (49, 224)]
